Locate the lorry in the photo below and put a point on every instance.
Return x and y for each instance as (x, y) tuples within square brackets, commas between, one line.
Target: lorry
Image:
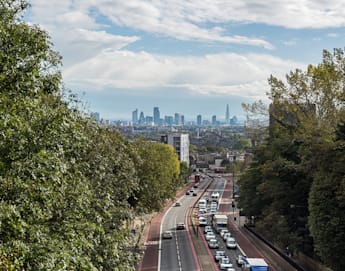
[(220, 221), (254, 264)]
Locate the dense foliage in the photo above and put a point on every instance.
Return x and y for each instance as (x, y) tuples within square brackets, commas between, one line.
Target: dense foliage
[(295, 186), (65, 183)]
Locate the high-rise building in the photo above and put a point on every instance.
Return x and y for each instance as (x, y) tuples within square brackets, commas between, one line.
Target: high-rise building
[(198, 120), (141, 118), (227, 114), (169, 120), (135, 116), (180, 142), (149, 120), (156, 115), (177, 120), (214, 120)]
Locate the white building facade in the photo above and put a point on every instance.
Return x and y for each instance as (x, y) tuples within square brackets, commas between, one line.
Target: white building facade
[(180, 142)]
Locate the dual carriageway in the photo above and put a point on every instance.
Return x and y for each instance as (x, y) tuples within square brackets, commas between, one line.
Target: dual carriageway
[(188, 250)]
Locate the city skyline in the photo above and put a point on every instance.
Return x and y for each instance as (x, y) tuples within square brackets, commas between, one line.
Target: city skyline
[(156, 115), (185, 56)]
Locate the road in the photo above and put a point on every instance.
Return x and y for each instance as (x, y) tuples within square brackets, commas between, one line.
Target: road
[(178, 253)]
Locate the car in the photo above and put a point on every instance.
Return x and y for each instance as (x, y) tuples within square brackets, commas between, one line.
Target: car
[(195, 186), (213, 210), (230, 269), (202, 211), (225, 263), (187, 193), (213, 243), (231, 243), (207, 229), (195, 194), (202, 221), (167, 235), (210, 235), (178, 204), (240, 259), (223, 231), (218, 255), (226, 235), (180, 226)]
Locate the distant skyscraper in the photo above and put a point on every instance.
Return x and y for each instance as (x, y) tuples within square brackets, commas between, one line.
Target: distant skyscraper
[(142, 118), (198, 120), (135, 116), (227, 114), (156, 115), (214, 120), (177, 119), (169, 120), (182, 119)]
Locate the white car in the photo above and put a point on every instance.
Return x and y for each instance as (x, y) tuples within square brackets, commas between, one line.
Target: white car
[(231, 243), (202, 211), (226, 235), (207, 229), (167, 235), (219, 254), (222, 232), (210, 235), (225, 263), (202, 221), (240, 260), (213, 243)]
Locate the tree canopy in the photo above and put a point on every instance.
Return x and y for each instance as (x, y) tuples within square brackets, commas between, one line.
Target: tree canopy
[(294, 186), (65, 183)]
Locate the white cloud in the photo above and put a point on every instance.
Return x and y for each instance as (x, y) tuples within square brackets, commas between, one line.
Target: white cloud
[(217, 74)]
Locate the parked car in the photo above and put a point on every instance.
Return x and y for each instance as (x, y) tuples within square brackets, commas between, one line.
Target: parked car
[(213, 243), (210, 235), (225, 263), (167, 235), (178, 204), (202, 221), (180, 226), (231, 243), (218, 255), (187, 193), (195, 194)]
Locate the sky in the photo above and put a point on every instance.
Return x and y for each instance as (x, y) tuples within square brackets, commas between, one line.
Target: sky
[(184, 56)]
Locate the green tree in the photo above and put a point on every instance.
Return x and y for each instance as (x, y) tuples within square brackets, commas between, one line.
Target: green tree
[(303, 117), (159, 175), (64, 182), (327, 203)]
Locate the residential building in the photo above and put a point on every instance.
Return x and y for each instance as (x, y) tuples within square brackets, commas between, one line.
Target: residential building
[(180, 142)]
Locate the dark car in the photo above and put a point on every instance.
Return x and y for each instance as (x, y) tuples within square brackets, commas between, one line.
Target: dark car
[(180, 226), (195, 194), (187, 193)]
